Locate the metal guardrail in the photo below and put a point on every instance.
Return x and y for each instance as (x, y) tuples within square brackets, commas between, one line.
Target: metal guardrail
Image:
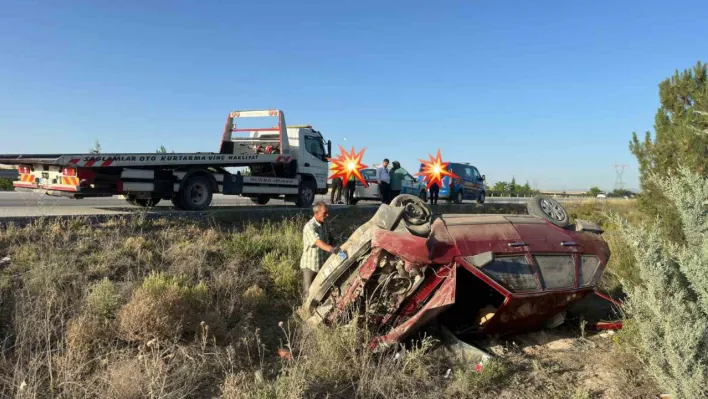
[(8, 174)]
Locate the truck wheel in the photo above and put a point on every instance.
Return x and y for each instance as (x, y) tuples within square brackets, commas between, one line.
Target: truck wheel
[(549, 209), (261, 199), (196, 194), (177, 201), (131, 200), (146, 202), (306, 196)]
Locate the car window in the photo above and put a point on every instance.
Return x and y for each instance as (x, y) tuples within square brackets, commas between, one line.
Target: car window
[(369, 174), (468, 173), (513, 272), (314, 146), (557, 271), (588, 267), (475, 174)]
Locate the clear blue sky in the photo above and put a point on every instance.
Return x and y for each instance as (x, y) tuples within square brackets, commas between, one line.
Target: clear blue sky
[(548, 92)]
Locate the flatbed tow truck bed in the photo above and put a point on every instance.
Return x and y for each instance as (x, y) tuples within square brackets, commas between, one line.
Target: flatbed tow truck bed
[(189, 179)]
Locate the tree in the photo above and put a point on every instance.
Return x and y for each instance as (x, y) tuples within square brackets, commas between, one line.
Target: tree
[(513, 188), (681, 138), (499, 187), (162, 150), (96, 148), (594, 191), (669, 309), (525, 189)]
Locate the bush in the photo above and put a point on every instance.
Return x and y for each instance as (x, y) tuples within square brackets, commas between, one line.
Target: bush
[(669, 309), (164, 308), (6, 184)]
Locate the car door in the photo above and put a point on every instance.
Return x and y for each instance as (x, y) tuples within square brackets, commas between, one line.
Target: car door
[(469, 183), (477, 182), (409, 184), (367, 192), (314, 160)]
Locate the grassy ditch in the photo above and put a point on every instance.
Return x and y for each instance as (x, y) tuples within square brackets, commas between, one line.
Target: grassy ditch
[(130, 307)]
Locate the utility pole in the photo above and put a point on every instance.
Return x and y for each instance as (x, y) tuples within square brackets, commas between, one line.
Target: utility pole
[(619, 172)]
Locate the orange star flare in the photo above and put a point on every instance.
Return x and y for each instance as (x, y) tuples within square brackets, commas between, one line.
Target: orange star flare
[(347, 165), (434, 170)]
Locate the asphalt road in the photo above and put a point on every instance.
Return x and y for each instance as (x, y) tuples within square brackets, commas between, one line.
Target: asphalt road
[(29, 204)]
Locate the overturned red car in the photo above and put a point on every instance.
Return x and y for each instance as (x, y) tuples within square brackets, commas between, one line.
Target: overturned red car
[(475, 274)]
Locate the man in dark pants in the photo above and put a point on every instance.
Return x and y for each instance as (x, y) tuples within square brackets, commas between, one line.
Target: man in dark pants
[(434, 191), (336, 190), (383, 178), (351, 186)]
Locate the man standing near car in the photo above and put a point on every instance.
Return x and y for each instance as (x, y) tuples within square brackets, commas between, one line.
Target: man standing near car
[(384, 181), (351, 186), (397, 174), (434, 191), (336, 191), (316, 245)]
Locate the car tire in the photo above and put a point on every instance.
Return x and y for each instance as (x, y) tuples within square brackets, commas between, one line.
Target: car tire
[(459, 197), (481, 198), (260, 200), (416, 214), (550, 210), (423, 195), (306, 194), (196, 194)]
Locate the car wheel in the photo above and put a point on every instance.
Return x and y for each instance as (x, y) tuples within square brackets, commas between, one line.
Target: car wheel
[(459, 197), (550, 210), (416, 214), (481, 198), (196, 193), (423, 195)]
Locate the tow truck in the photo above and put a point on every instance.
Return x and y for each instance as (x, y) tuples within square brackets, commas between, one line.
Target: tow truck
[(283, 161)]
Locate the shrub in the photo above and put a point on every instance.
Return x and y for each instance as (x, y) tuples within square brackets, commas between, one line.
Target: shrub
[(6, 184), (102, 299), (670, 307), (163, 307)]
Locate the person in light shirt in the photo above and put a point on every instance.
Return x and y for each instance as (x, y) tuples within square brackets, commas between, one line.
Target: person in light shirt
[(383, 178)]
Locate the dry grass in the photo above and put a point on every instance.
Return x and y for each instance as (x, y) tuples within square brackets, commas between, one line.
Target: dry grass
[(131, 307)]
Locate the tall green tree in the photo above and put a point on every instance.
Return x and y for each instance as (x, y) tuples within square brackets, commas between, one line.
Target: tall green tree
[(594, 191), (680, 139)]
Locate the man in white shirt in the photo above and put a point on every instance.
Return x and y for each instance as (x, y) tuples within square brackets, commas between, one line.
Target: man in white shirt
[(384, 181)]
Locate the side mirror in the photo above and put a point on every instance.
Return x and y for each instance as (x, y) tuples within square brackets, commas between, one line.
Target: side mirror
[(484, 178), (329, 148)]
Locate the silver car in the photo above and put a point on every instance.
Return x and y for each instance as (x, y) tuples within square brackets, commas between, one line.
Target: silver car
[(410, 186)]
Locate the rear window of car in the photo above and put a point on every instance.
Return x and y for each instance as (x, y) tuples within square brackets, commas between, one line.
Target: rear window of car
[(588, 268), (369, 174), (557, 271), (513, 272)]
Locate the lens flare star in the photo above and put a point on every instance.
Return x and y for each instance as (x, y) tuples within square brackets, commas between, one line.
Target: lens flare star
[(347, 165), (434, 170)]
